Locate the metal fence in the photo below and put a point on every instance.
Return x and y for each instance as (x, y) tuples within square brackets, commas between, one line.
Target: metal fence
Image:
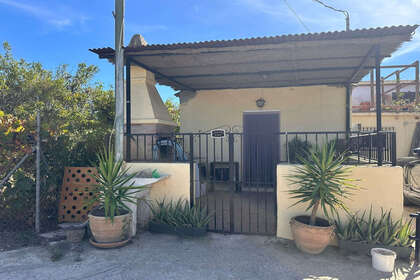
[(18, 200), (233, 175), (373, 129), (364, 147)]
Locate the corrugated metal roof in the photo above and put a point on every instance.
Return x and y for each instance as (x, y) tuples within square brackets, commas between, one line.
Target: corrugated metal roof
[(333, 58), (334, 35)]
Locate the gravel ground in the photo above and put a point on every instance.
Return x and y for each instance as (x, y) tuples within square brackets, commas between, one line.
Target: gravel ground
[(217, 256)]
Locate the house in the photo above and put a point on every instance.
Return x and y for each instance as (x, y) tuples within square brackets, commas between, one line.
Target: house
[(247, 107)]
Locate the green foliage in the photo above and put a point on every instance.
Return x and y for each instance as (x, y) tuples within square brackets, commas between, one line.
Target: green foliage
[(321, 180), (174, 112), (179, 214), (76, 117), (13, 140), (383, 230), (113, 190), (297, 147), (155, 174)]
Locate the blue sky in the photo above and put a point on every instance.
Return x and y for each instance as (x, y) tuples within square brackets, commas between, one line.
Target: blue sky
[(61, 31)]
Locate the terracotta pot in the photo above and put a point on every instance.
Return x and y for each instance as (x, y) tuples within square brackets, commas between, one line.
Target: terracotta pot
[(311, 239), (105, 231)]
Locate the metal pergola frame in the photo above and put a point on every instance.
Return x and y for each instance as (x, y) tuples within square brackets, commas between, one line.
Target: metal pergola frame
[(333, 58), (374, 52)]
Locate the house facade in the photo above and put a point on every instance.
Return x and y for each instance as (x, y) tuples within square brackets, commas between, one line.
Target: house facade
[(248, 107), (306, 108)]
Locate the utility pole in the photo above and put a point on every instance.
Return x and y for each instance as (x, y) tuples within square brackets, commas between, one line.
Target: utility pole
[(346, 14), (119, 78), (38, 168)]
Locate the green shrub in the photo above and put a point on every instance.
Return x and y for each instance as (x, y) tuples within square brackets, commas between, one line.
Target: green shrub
[(179, 214), (383, 230), (76, 118), (298, 148)]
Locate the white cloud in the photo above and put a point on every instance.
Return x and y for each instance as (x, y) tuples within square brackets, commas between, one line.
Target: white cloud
[(273, 8), (59, 17)]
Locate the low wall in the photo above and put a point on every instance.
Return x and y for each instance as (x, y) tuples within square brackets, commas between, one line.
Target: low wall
[(380, 187), (175, 187)]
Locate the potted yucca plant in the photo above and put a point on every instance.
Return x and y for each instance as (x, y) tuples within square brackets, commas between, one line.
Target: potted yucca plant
[(322, 184), (109, 221)]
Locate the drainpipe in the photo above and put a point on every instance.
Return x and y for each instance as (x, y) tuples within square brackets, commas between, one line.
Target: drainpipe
[(128, 108)]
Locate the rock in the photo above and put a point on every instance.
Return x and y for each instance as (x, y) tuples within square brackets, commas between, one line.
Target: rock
[(51, 236)]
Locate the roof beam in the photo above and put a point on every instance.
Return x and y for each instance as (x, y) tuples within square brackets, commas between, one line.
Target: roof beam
[(272, 61), (338, 80), (144, 66), (273, 86), (267, 72), (362, 64)]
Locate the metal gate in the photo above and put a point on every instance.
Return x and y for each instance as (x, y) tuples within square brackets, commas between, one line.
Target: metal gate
[(233, 182)]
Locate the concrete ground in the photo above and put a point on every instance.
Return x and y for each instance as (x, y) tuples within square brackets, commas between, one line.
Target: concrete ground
[(217, 256)]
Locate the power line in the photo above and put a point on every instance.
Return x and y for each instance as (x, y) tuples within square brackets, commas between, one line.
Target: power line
[(297, 16), (346, 14)]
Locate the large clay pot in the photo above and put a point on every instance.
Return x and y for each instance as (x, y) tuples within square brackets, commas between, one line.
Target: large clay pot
[(311, 239), (105, 231)]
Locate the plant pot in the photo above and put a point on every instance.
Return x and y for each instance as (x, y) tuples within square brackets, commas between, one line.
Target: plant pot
[(311, 239), (355, 247), (105, 231), (75, 235), (183, 231), (364, 248), (383, 259), (161, 228), (191, 231), (403, 253)]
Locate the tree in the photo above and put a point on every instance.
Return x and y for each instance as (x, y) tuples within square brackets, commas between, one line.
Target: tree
[(174, 112), (76, 118)]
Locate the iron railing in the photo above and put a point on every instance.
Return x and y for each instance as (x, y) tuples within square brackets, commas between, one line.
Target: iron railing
[(364, 147), (233, 176)]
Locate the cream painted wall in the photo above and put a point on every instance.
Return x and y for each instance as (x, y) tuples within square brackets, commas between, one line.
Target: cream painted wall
[(307, 108), (175, 187), (147, 106), (380, 187), (404, 124)]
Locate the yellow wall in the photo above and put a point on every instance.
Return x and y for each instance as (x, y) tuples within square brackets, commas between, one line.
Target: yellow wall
[(307, 108), (380, 187), (175, 187), (404, 124)]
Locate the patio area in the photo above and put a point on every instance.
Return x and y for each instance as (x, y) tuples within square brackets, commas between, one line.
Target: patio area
[(217, 256)]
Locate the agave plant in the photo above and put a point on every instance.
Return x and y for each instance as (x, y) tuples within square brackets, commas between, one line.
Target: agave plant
[(179, 214), (113, 191), (382, 230), (322, 181), (349, 231)]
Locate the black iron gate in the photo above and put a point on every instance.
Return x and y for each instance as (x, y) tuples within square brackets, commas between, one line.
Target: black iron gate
[(236, 194)]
